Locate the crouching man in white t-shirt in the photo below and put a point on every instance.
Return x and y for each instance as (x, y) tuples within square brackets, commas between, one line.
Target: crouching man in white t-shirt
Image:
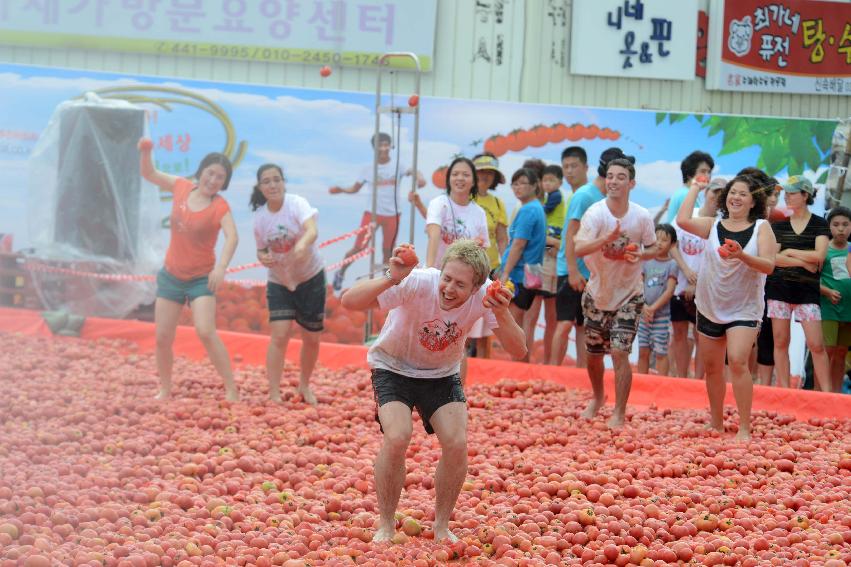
[(416, 362)]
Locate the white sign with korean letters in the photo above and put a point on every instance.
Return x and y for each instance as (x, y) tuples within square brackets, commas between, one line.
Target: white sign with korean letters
[(340, 32), (634, 38)]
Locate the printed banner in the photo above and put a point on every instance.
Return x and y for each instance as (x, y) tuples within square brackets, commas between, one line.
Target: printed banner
[(780, 46), (632, 38), (321, 139), (339, 32)]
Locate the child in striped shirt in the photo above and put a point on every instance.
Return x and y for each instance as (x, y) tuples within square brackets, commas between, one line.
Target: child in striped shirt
[(660, 279)]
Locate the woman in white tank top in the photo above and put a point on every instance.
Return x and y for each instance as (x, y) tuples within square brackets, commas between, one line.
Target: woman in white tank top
[(729, 293)]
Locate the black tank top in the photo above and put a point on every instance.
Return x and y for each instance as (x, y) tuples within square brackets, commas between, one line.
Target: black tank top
[(742, 237)]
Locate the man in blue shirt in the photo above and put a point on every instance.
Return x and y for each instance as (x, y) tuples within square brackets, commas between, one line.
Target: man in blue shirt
[(572, 272), (694, 164)]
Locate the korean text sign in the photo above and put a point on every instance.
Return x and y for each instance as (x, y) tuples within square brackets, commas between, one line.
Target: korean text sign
[(634, 38), (792, 46), (340, 32)]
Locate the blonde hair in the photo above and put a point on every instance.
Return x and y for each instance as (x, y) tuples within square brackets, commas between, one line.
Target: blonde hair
[(468, 252)]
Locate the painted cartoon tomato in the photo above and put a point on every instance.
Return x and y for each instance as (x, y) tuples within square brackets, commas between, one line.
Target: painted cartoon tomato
[(438, 335)]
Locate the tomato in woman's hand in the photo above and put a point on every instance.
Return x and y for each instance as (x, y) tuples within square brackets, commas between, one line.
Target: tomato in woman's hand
[(730, 246), (408, 256)]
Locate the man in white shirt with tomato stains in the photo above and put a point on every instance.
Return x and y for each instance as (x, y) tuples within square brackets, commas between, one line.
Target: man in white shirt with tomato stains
[(416, 362), (614, 236)]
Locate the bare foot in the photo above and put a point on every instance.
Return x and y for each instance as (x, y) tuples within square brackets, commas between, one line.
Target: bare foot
[(592, 408), (616, 421), (444, 533), (163, 394), (383, 534), (743, 435), (307, 396), (232, 395), (713, 427)]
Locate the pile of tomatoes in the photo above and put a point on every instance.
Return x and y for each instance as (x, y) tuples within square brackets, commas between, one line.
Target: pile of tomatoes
[(244, 310), (93, 471)]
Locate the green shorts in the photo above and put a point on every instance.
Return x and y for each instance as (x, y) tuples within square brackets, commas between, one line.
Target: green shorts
[(836, 333), (181, 291)]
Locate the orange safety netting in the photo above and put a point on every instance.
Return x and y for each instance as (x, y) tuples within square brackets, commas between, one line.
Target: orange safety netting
[(663, 392)]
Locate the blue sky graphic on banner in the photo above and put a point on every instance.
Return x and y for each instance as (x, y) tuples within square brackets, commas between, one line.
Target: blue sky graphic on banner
[(321, 138)]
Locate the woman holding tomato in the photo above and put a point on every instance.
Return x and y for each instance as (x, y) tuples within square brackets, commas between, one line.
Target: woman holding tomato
[(191, 272), (285, 231), (729, 295), (455, 215)]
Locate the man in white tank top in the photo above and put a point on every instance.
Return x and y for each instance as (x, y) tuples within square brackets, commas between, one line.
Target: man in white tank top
[(615, 235)]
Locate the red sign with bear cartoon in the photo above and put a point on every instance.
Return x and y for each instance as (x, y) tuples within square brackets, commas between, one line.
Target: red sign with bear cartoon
[(783, 46)]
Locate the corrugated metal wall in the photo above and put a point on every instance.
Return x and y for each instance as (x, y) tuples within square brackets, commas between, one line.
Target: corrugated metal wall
[(542, 80)]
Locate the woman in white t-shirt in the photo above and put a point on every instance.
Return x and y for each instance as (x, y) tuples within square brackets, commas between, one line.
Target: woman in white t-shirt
[(729, 293), (285, 231), (455, 215)]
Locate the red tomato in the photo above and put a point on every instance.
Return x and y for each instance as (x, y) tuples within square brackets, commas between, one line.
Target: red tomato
[(146, 144), (730, 246), (493, 290), (438, 178), (408, 256)]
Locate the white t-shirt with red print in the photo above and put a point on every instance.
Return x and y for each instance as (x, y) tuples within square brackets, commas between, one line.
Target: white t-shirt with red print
[(691, 248), (388, 200), (614, 281), (419, 339), (279, 232), (457, 222)]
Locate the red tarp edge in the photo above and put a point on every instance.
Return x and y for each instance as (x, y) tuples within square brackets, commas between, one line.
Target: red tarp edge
[(664, 392)]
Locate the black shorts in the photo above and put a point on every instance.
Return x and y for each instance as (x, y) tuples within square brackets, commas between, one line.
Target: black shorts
[(715, 330), (523, 296), (568, 303), (426, 394), (306, 304), (683, 309)]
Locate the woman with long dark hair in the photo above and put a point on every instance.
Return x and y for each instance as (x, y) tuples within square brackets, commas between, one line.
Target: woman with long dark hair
[(285, 231)]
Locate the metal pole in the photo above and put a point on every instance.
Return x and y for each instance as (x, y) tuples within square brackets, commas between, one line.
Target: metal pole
[(382, 62)]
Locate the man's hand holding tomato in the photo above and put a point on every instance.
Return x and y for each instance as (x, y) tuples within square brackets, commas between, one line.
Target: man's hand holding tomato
[(702, 181), (404, 260), (631, 253), (498, 297)]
